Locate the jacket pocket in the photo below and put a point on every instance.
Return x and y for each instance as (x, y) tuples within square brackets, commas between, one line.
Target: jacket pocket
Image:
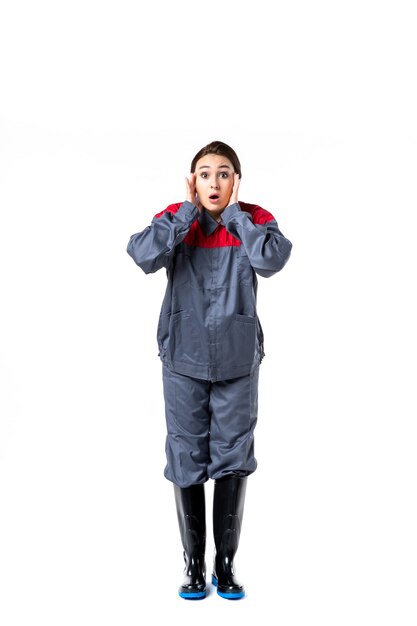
[(163, 333), (240, 341), (183, 340)]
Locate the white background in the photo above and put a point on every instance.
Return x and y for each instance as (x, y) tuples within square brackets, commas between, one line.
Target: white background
[(103, 105)]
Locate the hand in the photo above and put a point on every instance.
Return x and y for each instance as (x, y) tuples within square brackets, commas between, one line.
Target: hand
[(191, 195), (236, 183)]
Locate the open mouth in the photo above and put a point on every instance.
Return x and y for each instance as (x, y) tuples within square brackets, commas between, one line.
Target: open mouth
[(214, 197)]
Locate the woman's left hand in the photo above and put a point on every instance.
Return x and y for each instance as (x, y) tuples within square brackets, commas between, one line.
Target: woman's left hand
[(234, 194)]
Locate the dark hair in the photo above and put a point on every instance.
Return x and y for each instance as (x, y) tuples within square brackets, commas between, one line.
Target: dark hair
[(222, 149)]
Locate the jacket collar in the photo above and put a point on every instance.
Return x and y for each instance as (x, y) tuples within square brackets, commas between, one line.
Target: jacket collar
[(207, 222)]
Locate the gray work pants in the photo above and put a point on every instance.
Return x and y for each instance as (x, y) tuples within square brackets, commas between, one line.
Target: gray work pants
[(209, 427)]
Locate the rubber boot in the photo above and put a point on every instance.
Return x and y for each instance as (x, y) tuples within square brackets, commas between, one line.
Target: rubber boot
[(228, 503), (191, 511)]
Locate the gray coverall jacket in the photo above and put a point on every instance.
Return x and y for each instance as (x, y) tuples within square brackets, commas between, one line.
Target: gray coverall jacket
[(208, 326)]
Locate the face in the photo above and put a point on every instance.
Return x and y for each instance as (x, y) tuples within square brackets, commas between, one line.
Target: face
[(214, 181)]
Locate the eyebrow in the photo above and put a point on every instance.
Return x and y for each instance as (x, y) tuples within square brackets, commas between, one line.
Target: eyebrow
[(209, 166)]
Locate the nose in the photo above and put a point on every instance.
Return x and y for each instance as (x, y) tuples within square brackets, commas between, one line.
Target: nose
[(214, 185)]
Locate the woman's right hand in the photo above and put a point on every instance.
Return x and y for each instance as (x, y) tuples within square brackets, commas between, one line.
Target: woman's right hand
[(191, 194)]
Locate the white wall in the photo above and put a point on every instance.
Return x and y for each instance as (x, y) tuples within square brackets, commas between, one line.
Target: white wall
[(103, 106)]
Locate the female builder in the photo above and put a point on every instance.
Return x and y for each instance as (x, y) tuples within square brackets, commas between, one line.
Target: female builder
[(210, 344)]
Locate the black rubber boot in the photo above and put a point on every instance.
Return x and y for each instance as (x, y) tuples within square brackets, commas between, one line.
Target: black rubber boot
[(228, 503), (191, 511)]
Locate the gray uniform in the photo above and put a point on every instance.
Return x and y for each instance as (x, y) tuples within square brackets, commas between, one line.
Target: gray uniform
[(209, 335)]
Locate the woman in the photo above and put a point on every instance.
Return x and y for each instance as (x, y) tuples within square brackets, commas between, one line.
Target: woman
[(211, 345)]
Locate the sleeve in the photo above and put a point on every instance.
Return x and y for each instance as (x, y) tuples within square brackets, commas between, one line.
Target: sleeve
[(154, 247), (267, 248)]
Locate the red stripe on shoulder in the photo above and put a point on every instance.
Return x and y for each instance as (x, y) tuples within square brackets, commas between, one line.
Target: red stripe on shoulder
[(172, 208), (259, 215)]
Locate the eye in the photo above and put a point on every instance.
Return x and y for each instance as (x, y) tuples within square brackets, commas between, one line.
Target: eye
[(224, 174), (203, 174)]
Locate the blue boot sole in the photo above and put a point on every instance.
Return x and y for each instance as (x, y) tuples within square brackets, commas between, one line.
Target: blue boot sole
[(228, 596)]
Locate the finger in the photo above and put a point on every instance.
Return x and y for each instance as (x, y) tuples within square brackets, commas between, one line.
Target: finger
[(236, 183), (189, 192)]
